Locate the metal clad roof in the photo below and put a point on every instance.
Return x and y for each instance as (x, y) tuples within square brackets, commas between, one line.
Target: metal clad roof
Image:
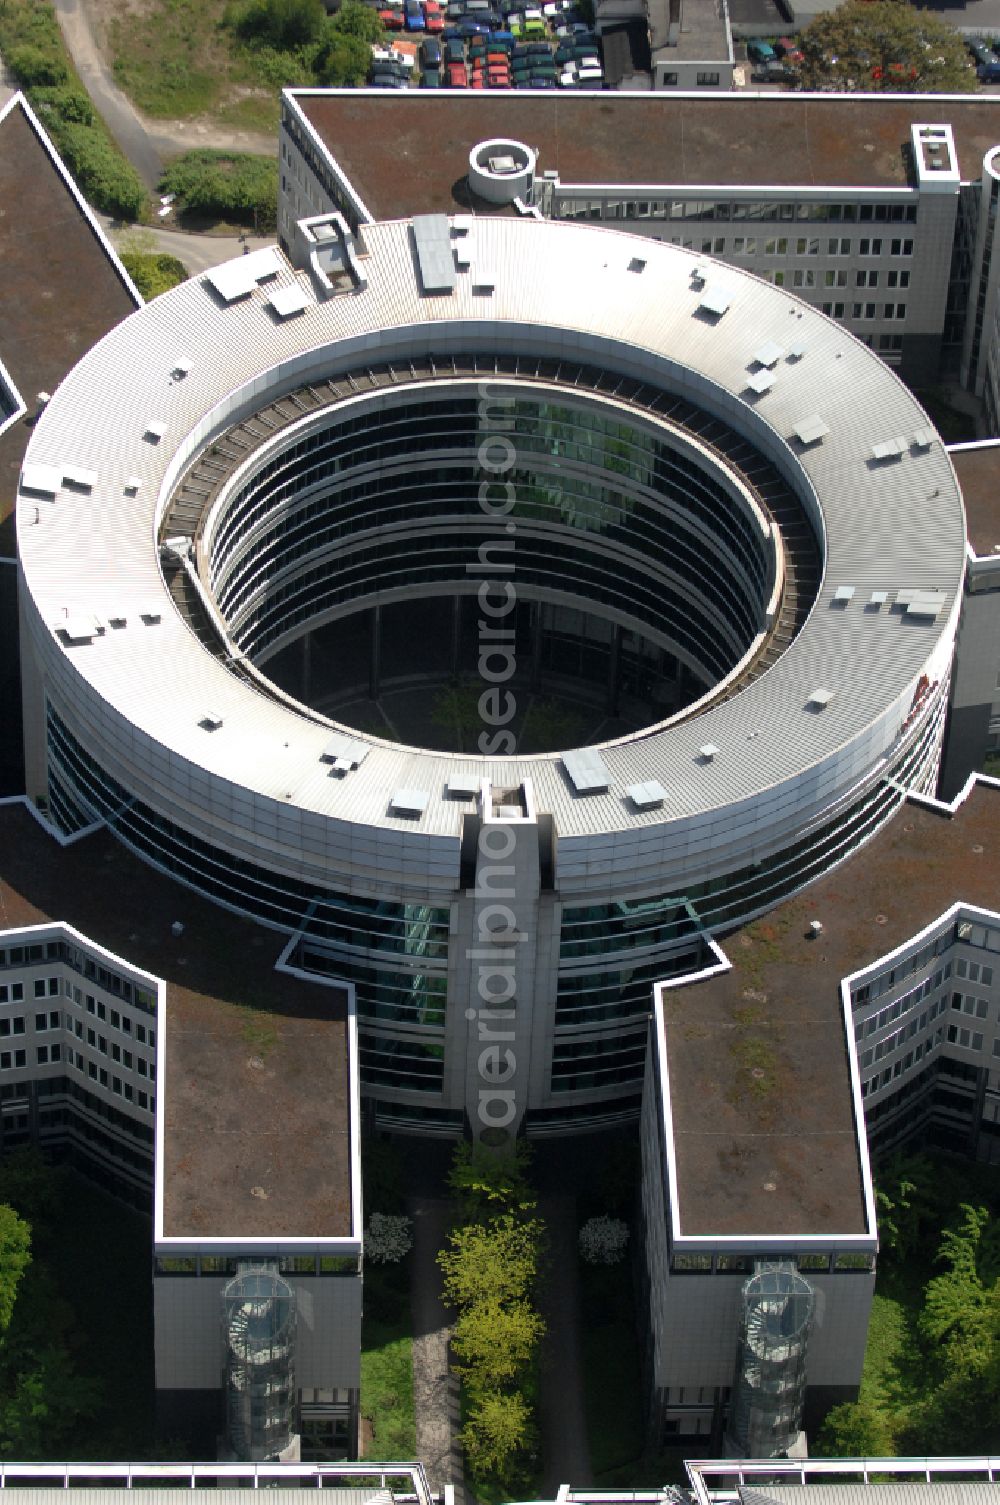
[(887, 527)]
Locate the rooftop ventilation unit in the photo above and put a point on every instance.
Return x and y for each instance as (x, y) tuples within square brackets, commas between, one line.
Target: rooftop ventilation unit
[(797, 350), (889, 449), (154, 430), (463, 787), (287, 301), (79, 629), (843, 594), (760, 382), (708, 752), (820, 699), (133, 484), (648, 796), (878, 599), (716, 298), (924, 437), (483, 277), (211, 721), (182, 368), (409, 801), (75, 475), (238, 278), (811, 429), (769, 354), (45, 480), (432, 241), (345, 752), (587, 771)]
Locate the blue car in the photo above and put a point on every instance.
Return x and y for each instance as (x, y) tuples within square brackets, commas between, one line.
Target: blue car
[(414, 16)]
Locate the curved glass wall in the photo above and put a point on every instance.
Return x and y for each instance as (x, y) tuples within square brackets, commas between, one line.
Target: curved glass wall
[(386, 498)]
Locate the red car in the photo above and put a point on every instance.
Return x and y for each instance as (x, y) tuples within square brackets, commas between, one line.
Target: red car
[(457, 77), (392, 20), (788, 48)]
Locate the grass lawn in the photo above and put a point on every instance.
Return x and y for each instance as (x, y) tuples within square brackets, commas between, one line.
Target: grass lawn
[(388, 1419), (174, 60)]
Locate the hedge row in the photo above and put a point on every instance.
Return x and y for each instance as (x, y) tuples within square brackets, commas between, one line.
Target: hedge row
[(32, 45)]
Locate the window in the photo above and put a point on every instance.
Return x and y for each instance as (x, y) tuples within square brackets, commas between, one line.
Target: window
[(668, 80), (869, 310), (866, 279), (897, 279), (807, 247), (895, 310), (777, 247), (115, 1019), (707, 80), (39, 987), (868, 247), (42, 1055), (779, 279), (805, 278), (745, 245), (840, 247), (41, 1021), (835, 279), (901, 248), (833, 310), (91, 1038)]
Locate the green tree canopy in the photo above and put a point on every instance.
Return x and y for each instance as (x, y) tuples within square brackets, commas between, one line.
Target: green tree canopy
[(15, 1257), (857, 1429), (498, 1432), (494, 1341), (282, 24), (355, 19), (486, 1181), (907, 1203), (884, 45), (498, 1262), (342, 60)]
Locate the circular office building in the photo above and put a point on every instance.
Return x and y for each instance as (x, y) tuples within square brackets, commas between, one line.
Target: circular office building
[(498, 609)]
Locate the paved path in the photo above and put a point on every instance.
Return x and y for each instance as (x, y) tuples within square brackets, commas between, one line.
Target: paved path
[(145, 142), (435, 1391), (565, 1455), (198, 252)]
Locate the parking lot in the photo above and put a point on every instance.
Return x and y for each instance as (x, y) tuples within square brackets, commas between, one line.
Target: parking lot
[(486, 44)]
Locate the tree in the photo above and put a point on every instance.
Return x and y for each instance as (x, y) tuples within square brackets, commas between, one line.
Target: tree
[(43, 1411), (854, 1430), (494, 1341), (282, 24), (15, 1257), (494, 1436), (907, 1202), (499, 1261), (343, 60), (233, 185), (354, 19), (884, 46), (485, 1182)]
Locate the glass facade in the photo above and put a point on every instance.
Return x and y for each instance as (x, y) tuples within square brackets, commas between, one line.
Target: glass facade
[(332, 518)]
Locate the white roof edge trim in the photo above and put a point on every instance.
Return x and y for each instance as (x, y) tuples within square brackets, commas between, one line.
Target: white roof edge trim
[(20, 406)]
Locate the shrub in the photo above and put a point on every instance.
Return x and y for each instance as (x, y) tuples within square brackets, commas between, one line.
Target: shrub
[(153, 273), (355, 19), (282, 24), (603, 1241), (66, 101), (235, 186), (343, 61), (109, 182), (33, 65), (388, 1238)]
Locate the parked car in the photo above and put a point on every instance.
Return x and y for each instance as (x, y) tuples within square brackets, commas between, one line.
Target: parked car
[(980, 50), (760, 52), (415, 17), (789, 49), (430, 53), (392, 20), (457, 76), (434, 21), (454, 51), (430, 78)]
